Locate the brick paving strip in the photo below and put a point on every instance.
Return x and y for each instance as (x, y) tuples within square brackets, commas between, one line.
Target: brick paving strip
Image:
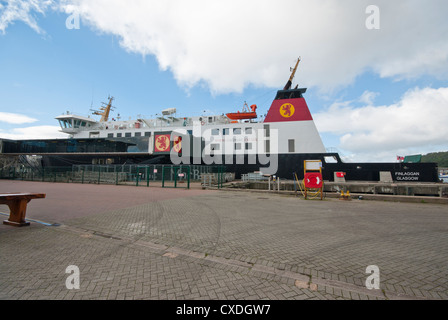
[(299, 280)]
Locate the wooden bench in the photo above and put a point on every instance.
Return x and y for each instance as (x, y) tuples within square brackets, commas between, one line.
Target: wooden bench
[(17, 203)]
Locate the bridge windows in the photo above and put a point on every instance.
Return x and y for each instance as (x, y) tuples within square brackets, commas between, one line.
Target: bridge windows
[(65, 123), (79, 123)]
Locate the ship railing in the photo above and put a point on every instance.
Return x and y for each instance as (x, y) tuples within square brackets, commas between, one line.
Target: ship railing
[(256, 176), (131, 174), (216, 179)]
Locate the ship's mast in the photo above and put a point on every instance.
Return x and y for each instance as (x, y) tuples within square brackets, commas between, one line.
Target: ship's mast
[(104, 111), (289, 83)]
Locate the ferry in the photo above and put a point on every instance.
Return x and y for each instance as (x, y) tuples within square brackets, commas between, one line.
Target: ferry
[(276, 145)]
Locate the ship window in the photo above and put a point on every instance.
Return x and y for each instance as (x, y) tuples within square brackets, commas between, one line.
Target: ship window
[(237, 146), (266, 131), (291, 145), (110, 135), (225, 131), (127, 134), (83, 123), (248, 146), (67, 123), (248, 130), (210, 119), (147, 134), (267, 146), (331, 159), (119, 135), (138, 134), (237, 131), (215, 132)]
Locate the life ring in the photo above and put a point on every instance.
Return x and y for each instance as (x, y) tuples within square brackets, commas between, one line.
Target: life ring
[(202, 122)]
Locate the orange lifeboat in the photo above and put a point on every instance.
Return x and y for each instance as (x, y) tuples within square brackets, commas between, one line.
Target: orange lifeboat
[(245, 114)]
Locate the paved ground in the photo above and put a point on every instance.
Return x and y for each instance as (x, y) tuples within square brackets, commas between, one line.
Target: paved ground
[(153, 243)]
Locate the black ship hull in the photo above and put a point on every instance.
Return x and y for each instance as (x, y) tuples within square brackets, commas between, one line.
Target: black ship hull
[(287, 165)]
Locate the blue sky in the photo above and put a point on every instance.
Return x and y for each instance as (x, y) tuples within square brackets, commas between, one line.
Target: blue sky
[(374, 94)]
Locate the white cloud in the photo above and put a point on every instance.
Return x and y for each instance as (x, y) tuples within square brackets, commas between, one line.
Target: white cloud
[(368, 97), (15, 118), (22, 10), (416, 124), (35, 132), (231, 44)]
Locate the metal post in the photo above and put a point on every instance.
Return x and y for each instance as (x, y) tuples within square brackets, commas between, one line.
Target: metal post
[(147, 176), (188, 181), (175, 176)]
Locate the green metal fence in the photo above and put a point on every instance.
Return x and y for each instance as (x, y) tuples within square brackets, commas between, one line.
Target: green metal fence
[(167, 176), (175, 177)]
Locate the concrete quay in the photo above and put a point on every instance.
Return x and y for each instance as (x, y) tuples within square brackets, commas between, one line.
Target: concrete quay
[(401, 191)]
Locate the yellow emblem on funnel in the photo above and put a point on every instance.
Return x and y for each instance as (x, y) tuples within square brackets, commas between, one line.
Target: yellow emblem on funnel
[(287, 110)]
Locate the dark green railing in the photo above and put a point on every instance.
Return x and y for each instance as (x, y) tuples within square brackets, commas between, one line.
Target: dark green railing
[(168, 176)]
